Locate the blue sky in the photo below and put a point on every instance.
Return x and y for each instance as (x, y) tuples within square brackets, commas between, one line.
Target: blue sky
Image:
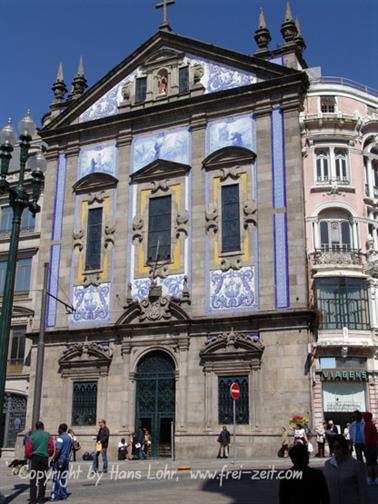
[(35, 35)]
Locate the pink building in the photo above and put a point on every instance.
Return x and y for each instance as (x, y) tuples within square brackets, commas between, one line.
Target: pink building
[(340, 163)]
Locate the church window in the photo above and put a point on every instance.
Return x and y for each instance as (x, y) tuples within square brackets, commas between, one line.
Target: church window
[(184, 80), (159, 228), (230, 218), (84, 403), (343, 302), (327, 104), (225, 401), (94, 232), (140, 89)]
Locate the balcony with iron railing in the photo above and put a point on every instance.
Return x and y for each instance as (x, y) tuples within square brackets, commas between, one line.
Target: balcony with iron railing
[(338, 256), (342, 81)]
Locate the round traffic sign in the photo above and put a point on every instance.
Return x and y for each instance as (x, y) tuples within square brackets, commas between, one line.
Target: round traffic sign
[(235, 391)]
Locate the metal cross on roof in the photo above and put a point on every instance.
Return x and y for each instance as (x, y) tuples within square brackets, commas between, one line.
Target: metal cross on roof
[(164, 4)]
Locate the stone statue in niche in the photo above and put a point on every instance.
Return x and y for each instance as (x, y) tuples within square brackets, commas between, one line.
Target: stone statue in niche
[(198, 73), (162, 85)]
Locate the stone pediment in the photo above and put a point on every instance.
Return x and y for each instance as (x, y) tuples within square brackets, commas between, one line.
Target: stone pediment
[(155, 308), (222, 69), (22, 312), (163, 56), (228, 156), (95, 182), (85, 356), (160, 169), (230, 347)]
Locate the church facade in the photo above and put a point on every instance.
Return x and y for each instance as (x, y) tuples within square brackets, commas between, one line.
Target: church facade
[(173, 224)]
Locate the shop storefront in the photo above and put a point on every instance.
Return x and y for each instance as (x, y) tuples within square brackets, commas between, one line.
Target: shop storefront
[(344, 390)]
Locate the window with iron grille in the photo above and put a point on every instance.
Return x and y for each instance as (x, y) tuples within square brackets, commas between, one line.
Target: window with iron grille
[(225, 401), (94, 235), (230, 218), (159, 228), (84, 403), (184, 80), (343, 302), (140, 89)]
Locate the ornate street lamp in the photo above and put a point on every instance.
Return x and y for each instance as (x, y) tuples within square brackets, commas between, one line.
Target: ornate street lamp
[(19, 199)]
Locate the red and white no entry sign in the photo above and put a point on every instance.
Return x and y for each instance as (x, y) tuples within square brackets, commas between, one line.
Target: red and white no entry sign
[(235, 391)]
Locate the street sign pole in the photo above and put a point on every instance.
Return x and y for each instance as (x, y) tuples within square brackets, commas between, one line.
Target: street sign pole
[(235, 394)]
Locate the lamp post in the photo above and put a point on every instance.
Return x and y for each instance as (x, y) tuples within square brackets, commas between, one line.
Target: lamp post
[(19, 199)]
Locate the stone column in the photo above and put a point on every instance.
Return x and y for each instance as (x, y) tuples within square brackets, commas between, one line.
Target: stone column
[(198, 237), (369, 172), (122, 237), (182, 389), (332, 167), (207, 398), (265, 210)]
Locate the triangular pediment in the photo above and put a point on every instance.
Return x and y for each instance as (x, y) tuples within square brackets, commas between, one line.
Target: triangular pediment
[(160, 169), (95, 182), (222, 69), (227, 156)]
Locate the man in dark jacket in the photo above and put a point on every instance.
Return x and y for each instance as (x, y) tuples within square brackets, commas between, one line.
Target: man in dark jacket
[(103, 438), (224, 442), (39, 446), (310, 487), (138, 441)]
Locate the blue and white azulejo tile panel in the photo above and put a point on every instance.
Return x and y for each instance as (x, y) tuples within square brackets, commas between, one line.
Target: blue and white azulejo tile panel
[(219, 77), (233, 289), (281, 272), (171, 144), (107, 105), (92, 304), (172, 286), (100, 158), (230, 131)]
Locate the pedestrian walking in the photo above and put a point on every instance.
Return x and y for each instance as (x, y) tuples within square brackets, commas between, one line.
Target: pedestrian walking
[(224, 442), (310, 488), (371, 440), (39, 446), (138, 442), (331, 432), (346, 477), (300, 436), (357, 434), (284, 450), (102, 443), (320, 439), (346, 434), (75, 444), (60, 462), (122, 449)]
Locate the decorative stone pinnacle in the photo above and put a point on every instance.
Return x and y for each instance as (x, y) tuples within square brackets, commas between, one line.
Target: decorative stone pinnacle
[(288, 28), (262, 34), (288, 13), (164, 4), (79, 82), (299, 40), (59, 87), (262, 22)]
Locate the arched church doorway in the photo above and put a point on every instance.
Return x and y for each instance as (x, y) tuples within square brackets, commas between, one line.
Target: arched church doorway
[(155, 400)]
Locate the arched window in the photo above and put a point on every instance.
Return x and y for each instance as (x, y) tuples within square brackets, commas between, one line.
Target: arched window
[(322, 165), (341, 165), (335, 230)]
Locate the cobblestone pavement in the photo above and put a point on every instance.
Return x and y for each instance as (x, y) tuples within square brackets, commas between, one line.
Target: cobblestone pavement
[(208, 481)]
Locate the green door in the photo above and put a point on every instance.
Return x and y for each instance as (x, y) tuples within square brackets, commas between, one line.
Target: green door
[(155, 400)]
